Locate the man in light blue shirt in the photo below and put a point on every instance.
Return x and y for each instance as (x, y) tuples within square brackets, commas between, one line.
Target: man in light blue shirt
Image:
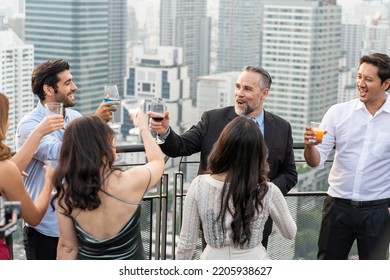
[(51, 82)]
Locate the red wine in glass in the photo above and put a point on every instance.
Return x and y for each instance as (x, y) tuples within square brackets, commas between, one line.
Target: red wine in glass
[(157, 106)]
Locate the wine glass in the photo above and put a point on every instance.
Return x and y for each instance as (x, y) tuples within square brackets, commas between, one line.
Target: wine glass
[(133, 105), (157, 107), (111, 94)]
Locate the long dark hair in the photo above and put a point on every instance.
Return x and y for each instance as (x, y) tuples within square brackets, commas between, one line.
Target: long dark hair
[(241, 153), (86, 159)]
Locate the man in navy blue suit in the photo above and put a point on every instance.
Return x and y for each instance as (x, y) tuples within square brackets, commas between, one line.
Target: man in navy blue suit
[(251, 89)]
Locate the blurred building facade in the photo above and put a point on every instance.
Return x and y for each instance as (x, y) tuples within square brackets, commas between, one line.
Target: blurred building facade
[(89, 34), (160, 72), (184, 23), (16, 66), (239, 34)]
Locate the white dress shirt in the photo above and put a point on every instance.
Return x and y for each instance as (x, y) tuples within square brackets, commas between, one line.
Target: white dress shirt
[(361, 167)]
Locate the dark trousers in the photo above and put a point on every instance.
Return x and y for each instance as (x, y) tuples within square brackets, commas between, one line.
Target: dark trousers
[(343, 223), (39, 246)]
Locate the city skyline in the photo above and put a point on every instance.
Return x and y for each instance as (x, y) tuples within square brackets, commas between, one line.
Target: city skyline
[(371, 35)]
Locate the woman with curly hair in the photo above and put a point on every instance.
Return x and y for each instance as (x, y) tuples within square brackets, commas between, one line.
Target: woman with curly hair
[(98, 206)]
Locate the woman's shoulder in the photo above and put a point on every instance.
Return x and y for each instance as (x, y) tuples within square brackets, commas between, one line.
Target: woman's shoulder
[(274, 193), (273, 189), (207, 179), (118, 179), (8, 171), (126, 185), (7, 165)]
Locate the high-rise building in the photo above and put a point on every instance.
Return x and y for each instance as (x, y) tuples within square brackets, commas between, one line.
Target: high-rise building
[(117, 41), (160, 72), (184, 23), (132, 26), (16, 66), (347, 82), (16, 23), (239, 34), (86, 33), (375, 38), (352, 41), (301, 50), (215, 91)]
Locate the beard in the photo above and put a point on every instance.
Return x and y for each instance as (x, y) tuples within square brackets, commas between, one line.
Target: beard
[(64, 99), (244, 111)]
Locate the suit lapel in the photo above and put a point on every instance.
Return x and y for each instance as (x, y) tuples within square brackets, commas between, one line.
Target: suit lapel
[(268, 130), (232, 115)]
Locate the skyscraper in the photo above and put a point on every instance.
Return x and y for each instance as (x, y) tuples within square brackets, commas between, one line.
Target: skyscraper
[(84, 33), (160, 73), (239, 34), (352, 41), (301, 49), (117, 41), (184, 23), (17, 63), (215, 91)]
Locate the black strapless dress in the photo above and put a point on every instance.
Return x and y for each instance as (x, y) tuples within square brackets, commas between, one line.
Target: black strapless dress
[(125, 245)]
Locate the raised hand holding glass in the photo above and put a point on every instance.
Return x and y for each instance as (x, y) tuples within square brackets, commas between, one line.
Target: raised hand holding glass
[(133, 106), (158, 107), (111, 94)]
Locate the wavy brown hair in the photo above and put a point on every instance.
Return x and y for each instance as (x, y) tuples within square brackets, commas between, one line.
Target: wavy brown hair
[(86, 159), (240, 153), (5, 151)]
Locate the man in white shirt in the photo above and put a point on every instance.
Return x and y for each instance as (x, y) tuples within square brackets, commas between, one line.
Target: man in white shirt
[(357, 206)]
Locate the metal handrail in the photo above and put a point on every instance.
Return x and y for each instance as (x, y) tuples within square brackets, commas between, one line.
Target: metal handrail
[(161, 236), (158, 232)]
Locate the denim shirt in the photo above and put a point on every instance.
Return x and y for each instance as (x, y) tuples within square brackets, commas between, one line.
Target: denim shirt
[(49, 149)]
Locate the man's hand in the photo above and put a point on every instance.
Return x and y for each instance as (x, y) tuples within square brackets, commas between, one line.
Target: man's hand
[(309, 137), (50, 124), (161, 127), (105, 110)]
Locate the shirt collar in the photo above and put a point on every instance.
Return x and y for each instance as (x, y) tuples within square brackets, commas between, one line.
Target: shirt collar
[(385, 107), (260, 118), (41, 108)]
